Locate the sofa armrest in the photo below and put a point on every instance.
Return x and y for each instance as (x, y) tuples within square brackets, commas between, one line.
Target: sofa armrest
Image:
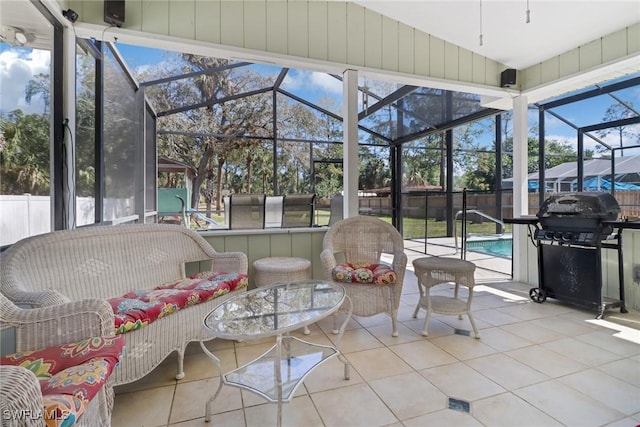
[(230, 262), (20, 397), (36, 299), (58, 324)]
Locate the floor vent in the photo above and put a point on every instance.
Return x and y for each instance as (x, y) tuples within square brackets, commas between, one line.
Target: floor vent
[(462, 332), (459, 405)]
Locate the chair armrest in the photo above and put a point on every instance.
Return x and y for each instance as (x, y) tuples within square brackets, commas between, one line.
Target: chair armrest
[(399, 264), (36, 299), (230, 262), (328, 262), (58, 324), (20, 397)]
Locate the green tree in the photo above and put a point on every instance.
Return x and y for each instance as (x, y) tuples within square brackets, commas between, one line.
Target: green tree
[(24, 154), (631, 134), (39, 86)]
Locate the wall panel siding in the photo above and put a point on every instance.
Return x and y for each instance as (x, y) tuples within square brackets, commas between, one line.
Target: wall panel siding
[(633, 39), (570, 62), (591, 54), (301, 245), (232, 23), (614, 46), (342, 33), (133, 14), (298, 29), (355, 35), (208, 20), (335, 31), (155, 17), (479, 68), (422, 53), (182, 19), (390, 51), (406, 49), (493, 69), (451, 61), (532, 76), (436, 57), (255, 25), (318, 30), (276, 27), (372, 39), (465, 65), (258, 244), (280, 245), (337, 24), (549, 70), (598, 52)]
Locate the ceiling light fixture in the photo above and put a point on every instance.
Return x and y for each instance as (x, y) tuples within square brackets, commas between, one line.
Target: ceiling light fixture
[(528, 19), (16, 36)]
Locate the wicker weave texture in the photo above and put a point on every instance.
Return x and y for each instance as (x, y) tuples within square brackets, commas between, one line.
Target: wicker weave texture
[(434, 271), (364, 239), (267, 271), (50, 326), (105, 262)]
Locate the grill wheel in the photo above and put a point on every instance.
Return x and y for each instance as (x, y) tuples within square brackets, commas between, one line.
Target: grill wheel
[(537, 295)]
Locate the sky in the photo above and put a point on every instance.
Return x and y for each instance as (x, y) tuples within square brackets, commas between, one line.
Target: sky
[(19, 65)]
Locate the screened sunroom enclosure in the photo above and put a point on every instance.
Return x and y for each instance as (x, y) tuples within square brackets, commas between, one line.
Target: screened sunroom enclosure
[(250, 128)]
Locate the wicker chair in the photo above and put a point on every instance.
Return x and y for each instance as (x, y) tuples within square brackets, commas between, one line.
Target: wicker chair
[(363, 240), (35, 329)]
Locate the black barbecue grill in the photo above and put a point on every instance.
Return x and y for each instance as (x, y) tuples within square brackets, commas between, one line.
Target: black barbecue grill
[(577, 218), (571, 229)]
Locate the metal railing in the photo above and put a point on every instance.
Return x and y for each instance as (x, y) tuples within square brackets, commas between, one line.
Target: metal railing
[(464, 220)]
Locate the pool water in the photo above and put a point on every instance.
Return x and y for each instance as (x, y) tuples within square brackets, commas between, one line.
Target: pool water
[(496, 247)]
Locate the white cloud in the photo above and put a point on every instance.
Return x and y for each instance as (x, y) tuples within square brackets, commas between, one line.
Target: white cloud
[(17, 67), (327, 83), (313, 81)]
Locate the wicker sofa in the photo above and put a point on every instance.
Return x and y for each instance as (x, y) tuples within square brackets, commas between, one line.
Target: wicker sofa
[(109, 261), (31, 388)]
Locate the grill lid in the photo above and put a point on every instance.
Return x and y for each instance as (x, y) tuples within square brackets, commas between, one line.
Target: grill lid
[(599, 206)]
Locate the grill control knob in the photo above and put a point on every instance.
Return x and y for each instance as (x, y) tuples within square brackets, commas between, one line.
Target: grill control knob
[(566, 237)]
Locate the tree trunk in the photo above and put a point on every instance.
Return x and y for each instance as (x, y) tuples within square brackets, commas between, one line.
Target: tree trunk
[(201, 175), (249, 173), (219, 166)]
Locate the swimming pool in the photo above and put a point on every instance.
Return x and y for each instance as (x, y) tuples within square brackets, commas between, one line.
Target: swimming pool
[(501, 247)]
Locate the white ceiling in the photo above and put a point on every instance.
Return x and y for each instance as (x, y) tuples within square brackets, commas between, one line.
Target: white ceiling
[(555, 26)]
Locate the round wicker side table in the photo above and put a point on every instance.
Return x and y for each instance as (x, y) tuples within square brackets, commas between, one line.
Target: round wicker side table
[(267, 271)]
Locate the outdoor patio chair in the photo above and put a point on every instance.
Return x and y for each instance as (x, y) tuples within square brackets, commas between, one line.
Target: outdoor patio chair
[(352, 254), (56, 364), (297, 210), (247, 211), (336, 209)]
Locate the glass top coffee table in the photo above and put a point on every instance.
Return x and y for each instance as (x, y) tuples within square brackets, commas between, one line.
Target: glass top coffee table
[(277, 310)]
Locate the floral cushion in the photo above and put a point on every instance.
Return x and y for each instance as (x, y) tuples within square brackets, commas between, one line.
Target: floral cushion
[(139, 308), (70, 375), (378, 274)]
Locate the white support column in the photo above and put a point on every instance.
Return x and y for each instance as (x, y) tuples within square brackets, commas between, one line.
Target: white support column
[(350, 142), (69, 109), (520, 186)]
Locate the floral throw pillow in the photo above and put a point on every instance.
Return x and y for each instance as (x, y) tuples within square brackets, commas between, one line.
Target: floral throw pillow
[(377, 274)]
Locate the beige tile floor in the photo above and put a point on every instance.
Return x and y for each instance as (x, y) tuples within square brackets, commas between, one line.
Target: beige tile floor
[(546, 364)]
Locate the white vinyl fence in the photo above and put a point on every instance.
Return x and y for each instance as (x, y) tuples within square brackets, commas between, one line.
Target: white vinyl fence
[(27, 215)]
